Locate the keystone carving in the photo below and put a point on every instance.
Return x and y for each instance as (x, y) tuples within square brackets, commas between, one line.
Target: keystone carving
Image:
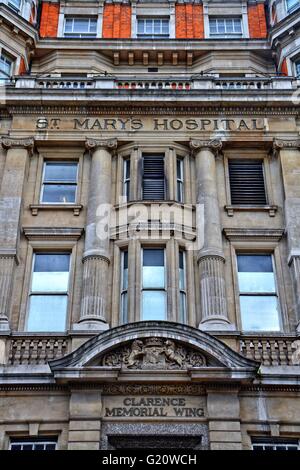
[(93, 144), (154, 353)]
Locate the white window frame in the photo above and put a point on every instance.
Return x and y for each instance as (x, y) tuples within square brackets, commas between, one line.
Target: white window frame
[(6, 58), (182, 289), (51, 293), (297, 68), (63, 183), (226, 34), (267, 443), (33, 443), (260, 294), (180, 180), (293, 8), (126, 180), (152, 35), (84, 34), (150, 289), (11, 3), (123, 290)]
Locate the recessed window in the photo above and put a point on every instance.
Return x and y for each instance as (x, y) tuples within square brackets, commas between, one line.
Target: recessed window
[(154, 298), (33, 444), (126, 178), (182, 286), (264, 443), (6, 64), (180, 183), (153, 177), (124, 287), (292, 5), (297, 68), (247, 183), (80, 28), (153, 28), (15, 4), (48, 297), (225, 27), (59, 183), (259, 301)]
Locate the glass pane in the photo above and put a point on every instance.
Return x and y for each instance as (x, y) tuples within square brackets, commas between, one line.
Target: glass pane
[(165, 26), (179, 191), (229, 26), (47, 313), (58, 193), (153, 257), (60, 172), (237, 25), (179, 169), (80, 25), (51, 273), (50, 447), (126, 169), (68, 25), (221, 26), (256, 273), (140, 26), (153, 276), (93, 26), (124, 307), (259, 313), (149, 26), (27, 447), (182, 307), (154, 305)]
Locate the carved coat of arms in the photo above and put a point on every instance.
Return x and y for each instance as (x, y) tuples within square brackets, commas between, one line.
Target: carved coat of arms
[(154, 353)]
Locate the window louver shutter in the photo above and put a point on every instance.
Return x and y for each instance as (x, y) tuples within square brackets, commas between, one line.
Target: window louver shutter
[(247, 183), (153, 178)]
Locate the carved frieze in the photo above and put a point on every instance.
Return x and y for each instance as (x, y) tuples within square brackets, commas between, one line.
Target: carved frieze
[(154, 353)]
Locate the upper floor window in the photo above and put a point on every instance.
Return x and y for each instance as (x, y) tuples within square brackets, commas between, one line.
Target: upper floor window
[(124, 286), (154, 296), (153, 177), (247, 183), (225, 27), (6, 64), (182, 286), (126, 178), (298, 69), (292, 5), (49, 292), (180, 180), (80, 27), (59, 182), (152, 28), (273, 443), (15, 4), (259, 301), (33, 444)]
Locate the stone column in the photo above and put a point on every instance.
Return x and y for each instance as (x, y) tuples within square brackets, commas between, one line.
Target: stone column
[(11, 193), (289, 154), (210, 255), (96, 256)]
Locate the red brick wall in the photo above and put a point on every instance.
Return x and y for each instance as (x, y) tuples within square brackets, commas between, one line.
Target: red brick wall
[(116, 21), (284, 68), (22, 68), (257, 21), (189, 21), (49, 20)]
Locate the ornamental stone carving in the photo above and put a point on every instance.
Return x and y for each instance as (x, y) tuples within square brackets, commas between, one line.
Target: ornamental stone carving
[(93, 144), (154, 353), (214, 145), (296, 353), (279, 144), (15, 143)]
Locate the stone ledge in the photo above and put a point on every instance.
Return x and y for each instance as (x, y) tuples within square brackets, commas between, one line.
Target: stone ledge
[(232, 209), (35, 208)]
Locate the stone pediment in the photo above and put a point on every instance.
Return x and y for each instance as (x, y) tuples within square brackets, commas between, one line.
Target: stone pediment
[(142, 348)]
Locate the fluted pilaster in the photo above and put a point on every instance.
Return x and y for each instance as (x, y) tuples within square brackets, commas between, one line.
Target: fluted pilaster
[(96, 256), (210, 253)]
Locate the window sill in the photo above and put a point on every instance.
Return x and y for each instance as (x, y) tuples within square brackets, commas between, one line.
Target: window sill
[(231, 209), (35, 208)]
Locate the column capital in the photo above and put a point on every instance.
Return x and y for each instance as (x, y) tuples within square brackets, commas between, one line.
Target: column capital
[(214, 145), (17, 143), (94, 144), (279, 144)]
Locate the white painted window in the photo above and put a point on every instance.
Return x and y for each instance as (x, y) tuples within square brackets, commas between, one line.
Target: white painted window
[(6, 64), (59, 183), (259, 301), (38, 444), (151, 28), (225, 27), (15, 4), (154, 296), (180, 180), (124, 286), (80, 27), (182, 286), (264, 443), (126, 178), (48, 299), (298, 68), (292, 5)]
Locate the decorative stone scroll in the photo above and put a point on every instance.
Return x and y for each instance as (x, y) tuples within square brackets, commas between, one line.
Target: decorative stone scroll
[(93, 144), (214, 145), (154, 353), (15, 143), (279, 144)]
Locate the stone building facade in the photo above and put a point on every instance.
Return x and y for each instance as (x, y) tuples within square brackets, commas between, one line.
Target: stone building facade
[(150, 224)]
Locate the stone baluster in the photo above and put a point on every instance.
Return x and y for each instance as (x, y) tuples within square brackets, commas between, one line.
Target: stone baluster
[(11, 192), (210, 250), (289, 154), (96, 256)]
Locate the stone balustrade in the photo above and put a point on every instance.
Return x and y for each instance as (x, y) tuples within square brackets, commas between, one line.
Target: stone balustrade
[(36, 350), (270, 351)]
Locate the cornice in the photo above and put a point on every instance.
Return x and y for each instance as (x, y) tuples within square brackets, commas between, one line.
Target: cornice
[(52, 233), (161, 109), (240, 234)]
